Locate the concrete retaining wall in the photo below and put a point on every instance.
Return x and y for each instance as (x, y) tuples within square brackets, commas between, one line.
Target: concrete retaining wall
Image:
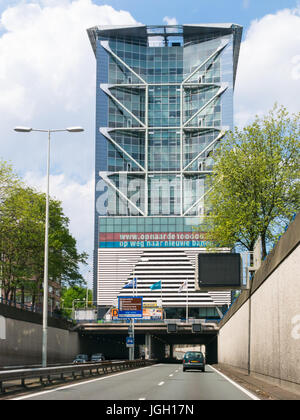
[(23, 344), (233, 348), (272, 310), (21, 338)]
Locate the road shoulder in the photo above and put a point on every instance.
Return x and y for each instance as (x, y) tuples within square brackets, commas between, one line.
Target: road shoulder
[(263, 390)]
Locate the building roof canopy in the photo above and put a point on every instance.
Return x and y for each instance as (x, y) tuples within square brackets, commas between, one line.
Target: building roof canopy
[(140, 31)]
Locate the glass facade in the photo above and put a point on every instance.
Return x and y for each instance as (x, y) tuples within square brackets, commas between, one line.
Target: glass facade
[(197, 313), (164, 101), (149, 224)]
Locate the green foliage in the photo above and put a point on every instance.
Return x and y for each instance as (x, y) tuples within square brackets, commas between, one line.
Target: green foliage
[(8, 180), (256, 181), (22, 238), (75, 297)]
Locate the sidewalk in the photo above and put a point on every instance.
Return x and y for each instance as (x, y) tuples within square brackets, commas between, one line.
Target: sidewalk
[(263, 390)]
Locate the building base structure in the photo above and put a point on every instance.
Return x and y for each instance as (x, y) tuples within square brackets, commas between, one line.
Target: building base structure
[(172, 268)]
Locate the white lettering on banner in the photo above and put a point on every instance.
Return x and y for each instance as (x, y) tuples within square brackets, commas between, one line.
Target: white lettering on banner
[(165, 244), (162, 236), (2, 328), (296, 329)]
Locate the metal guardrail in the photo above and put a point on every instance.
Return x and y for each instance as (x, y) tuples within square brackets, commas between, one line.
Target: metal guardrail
[(47, 375)]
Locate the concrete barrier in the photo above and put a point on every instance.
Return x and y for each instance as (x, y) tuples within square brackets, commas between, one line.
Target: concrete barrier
[(261, 331), (21, 343)]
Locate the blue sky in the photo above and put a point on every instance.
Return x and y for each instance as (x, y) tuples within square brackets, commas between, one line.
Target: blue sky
[(152, 12), (47, 79), (241, 12)]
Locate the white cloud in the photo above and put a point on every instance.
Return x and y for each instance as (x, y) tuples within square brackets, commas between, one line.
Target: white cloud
[(269, 66), (45, 53), (77, 202), (170, 20), (48, 80), (296, 67)]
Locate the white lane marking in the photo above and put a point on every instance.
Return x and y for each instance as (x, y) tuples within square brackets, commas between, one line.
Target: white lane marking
[(74, 385), (161, 383), (245, 391), (142, 399)]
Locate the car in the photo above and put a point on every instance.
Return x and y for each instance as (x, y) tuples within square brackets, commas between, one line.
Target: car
[(98, 357), (193, 360), (81, 358)]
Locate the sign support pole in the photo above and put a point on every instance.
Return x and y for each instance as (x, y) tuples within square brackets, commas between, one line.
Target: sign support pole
[(187, 301)]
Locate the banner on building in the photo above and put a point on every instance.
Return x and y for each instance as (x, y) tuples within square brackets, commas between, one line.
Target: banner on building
[(153, 240), (153, 313)]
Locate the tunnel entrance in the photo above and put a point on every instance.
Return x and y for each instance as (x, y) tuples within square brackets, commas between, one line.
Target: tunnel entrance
[(159, 345), (170, 348)]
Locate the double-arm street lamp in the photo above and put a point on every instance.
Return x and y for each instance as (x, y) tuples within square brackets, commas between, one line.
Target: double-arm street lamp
[(45, 300)]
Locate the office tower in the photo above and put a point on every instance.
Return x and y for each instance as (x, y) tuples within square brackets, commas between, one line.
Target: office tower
[(164, 101)]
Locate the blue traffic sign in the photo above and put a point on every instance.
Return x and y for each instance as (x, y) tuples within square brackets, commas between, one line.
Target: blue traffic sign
[(130, 307), (129, 342)]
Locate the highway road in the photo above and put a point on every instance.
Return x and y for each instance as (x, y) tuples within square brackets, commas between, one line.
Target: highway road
[(156, 382)]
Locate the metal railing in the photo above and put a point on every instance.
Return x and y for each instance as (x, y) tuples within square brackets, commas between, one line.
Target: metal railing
[(18, 305), (47, 375), (33, 308)]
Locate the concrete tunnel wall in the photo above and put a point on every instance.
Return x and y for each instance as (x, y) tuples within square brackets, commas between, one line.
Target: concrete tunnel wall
[(261, 332)]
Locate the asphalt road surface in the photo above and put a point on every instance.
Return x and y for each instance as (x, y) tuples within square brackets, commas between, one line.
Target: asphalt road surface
[(157, 382)]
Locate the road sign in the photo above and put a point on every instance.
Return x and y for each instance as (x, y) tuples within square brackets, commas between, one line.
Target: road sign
[(129, 342), (130, 307), (114, 313)]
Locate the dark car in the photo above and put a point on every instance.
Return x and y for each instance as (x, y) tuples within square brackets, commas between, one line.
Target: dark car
[(193, 360), (81, 358), (98, 357)]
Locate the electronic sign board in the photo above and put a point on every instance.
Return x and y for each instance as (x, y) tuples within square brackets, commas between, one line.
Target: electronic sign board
[(215, 271)]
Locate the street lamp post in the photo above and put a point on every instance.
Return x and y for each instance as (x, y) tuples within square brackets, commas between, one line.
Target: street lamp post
[(46, 256), (87, 288)]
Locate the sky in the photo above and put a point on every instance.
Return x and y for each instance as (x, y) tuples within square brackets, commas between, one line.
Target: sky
[(48, 80)]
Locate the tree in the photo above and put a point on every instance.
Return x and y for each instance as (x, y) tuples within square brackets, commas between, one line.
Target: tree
[(8, 180), (20, 229), (255, 182), (75, 297), (22, 238)]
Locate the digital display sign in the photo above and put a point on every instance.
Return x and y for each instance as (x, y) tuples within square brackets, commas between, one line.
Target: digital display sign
[(218, 270)]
